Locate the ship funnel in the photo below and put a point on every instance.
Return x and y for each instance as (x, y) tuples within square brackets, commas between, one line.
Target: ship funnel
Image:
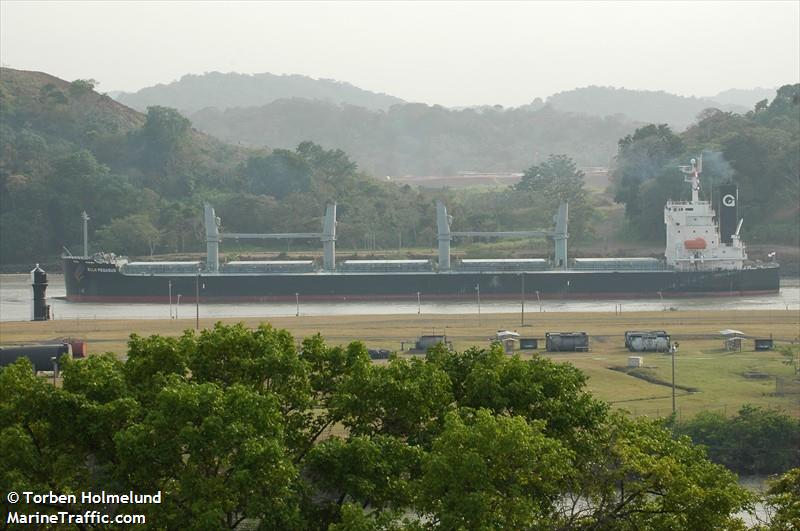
[(329, 238), (212, 238), (561, 235), (443, 235)]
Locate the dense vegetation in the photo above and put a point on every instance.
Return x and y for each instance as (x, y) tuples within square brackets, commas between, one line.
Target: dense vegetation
[(758, 151), (143, 179), (754, 441), (418, 139), (235, 425)]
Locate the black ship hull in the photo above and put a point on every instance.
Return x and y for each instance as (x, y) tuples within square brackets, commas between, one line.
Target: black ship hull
[(90, 281)]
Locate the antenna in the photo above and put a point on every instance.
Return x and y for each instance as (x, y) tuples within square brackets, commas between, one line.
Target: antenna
[(692, 175)]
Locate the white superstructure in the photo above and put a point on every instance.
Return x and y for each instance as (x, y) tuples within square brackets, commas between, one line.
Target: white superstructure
[(693, 235)]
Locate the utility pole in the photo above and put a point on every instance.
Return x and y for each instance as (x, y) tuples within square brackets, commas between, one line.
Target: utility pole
[(478, 290), (419, 306), (297, 300), (170, 299), (674, 350), (197, 301), (522, 303)]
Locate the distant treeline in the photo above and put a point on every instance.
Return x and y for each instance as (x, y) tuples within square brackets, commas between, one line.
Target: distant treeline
[(647, 106), (418, 139), (224, 90)]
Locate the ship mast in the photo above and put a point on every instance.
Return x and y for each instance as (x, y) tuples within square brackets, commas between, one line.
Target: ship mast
[(85, 217), (693, 176)]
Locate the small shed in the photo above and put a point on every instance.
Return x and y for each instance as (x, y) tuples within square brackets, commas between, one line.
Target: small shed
[(567, 341), (763, 344), (426, 342), (528, 343), (507, 338), (732, 340)]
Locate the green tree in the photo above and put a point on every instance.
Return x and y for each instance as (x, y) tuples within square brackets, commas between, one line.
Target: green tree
[(79, 87), (783, 497), (558, 180), (134, 234), (492, 472), (650, 153), (216, 454), (755, 441), (165, 152), (278, 174), (379, 472), (636, 475), (405, 398)]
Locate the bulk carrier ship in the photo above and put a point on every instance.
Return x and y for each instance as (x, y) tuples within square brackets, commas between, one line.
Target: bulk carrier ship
[(704, 256)]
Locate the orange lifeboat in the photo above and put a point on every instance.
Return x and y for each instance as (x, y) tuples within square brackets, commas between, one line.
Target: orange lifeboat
[(695, 244)]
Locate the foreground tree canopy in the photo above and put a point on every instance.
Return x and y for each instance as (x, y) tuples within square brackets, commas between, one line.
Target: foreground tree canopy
[(241, 427)]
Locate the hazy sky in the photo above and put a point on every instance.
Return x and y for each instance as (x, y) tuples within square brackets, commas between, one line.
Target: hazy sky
[(451, 53)]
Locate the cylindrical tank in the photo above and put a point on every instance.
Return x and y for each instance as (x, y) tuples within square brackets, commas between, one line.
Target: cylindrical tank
[(40, 311), (567, 341), (653, 341), (41, 356)]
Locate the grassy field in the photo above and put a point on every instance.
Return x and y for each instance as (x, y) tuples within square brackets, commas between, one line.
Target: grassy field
[(701, 363)]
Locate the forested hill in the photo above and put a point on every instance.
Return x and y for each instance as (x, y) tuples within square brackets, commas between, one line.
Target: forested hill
[(65, 148), (222, 91), (418, 139), (143, 178), (645, 105)]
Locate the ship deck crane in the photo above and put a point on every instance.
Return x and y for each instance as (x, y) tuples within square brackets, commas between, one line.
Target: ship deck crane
[(214, 237), (559, 235)]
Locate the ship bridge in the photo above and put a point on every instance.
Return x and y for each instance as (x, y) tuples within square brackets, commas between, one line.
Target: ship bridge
[(696, 239)]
